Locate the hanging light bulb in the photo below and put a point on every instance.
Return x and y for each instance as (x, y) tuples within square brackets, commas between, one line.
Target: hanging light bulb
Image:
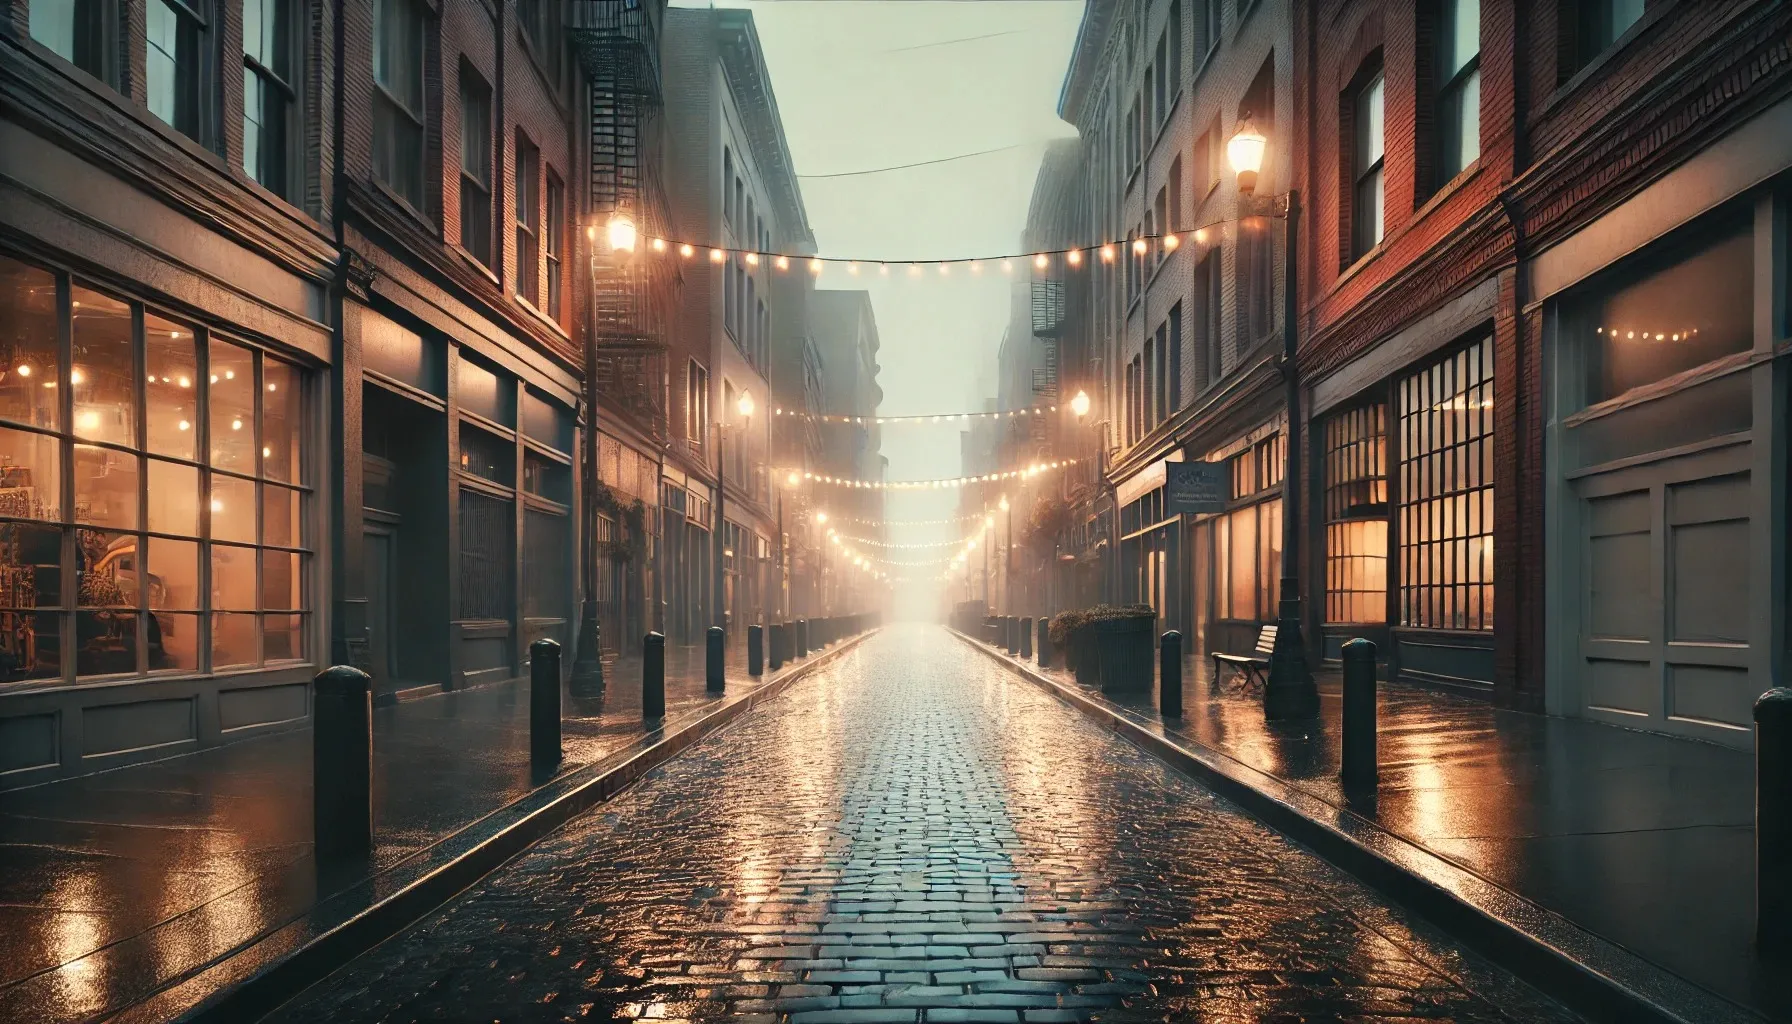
[(686, 251), (853, 269), (1107, 253), (1074, 257), (1139, 246), (1041, 262), (1170, 242), (658, 244), (883, 269), (717, 256), (621, 232), (783, 263), (752, 259), (815, 266)]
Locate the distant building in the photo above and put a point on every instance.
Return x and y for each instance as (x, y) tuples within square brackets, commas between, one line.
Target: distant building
[(845, 332)]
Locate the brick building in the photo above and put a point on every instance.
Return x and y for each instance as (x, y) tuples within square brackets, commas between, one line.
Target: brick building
[(1543, 375)]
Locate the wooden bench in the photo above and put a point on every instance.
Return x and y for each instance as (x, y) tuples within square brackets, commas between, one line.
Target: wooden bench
[(1253, 665)]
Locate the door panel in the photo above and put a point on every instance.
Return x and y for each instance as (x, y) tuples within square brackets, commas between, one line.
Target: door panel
[(376, 552)]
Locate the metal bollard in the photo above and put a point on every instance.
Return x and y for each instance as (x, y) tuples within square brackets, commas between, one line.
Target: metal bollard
[(653, 677), (544, 703), (342, 763), (1045, 642), (1773, 819), (1358, 741), (1169, 675), (776, 643), (755, 650), (802, 638), (715, 650), (1026, 638)]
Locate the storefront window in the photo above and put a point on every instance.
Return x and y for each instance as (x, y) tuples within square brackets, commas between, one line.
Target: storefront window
[(148, 521), (1248, 562), (1356, 510), (1446, 492)]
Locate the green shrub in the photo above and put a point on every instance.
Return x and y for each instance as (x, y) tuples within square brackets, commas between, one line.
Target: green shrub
[(1063, 625)]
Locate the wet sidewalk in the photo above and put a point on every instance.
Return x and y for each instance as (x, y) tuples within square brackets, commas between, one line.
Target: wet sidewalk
[(114, 886), (1643, 839)]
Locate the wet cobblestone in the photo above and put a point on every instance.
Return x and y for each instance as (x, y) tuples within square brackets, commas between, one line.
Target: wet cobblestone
[(914, 835)]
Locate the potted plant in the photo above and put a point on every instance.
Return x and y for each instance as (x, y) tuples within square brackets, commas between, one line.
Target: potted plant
[(1124, 642)]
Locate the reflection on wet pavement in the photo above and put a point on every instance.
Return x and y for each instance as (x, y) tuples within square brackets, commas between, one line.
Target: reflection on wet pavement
[(111, 885), (1645, 839), (913, 834)]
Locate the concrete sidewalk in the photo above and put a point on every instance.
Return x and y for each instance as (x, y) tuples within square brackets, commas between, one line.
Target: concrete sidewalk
[(1641, 839), (114, 886)]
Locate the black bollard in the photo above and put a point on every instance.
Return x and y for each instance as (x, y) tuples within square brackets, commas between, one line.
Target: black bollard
[(715, 650), (1026, 638), (1358, 741), (1773, 819), (342, 763), (776, 644), (755, 650), (1045, 642), (802, 638), (1169, 675), (544, 703), (653, 677)]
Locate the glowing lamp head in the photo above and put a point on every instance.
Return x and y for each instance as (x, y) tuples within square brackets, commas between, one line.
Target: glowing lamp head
[(794, 478), (1004, 503), (1245, 152), (821, 517), (745, 405), (621, 232)]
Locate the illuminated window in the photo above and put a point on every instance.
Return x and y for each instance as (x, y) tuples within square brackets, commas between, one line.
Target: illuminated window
[(185, 455), (1356, 510), (1446, 492)]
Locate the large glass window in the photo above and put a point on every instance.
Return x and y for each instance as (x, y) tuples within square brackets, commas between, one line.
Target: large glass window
[(77, 30), (1356, 511), (167, 485), (398, 98), (270, 96), (1366, 189), (1458, 87), (554, 241), (1446, 492)]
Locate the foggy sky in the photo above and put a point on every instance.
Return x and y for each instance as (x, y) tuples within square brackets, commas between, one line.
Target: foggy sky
[(864, 84)]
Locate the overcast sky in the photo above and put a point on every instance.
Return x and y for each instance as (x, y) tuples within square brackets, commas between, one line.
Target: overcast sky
[(866, 84)]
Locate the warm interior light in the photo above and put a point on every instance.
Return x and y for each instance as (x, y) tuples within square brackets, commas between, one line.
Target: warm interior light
[(621, 232), (87, 419), (1080, 404), (745, 405), (183, 425), (1245, 152), (24, 369), (1003, 505), (75, 376), (821, 517)]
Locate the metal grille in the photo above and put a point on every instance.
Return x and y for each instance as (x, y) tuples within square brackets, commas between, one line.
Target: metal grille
[(1048, 306), (486, 568), (547, 564)]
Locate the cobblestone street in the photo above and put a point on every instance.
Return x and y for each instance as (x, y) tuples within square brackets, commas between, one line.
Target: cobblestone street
[(915, 835)]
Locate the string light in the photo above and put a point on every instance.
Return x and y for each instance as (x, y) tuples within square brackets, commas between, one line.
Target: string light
[(944, 482), (955, 417), (1073, 256)]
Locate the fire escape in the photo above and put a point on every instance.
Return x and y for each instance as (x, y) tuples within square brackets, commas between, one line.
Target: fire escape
[(1049, 316), (632, 293)]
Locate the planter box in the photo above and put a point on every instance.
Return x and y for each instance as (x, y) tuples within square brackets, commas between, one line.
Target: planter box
[(1080, 654), (1124, 646)]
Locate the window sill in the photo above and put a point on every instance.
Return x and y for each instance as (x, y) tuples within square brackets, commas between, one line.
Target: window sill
[(1447, 189), (403, 204), (541, 316), (475, 262)]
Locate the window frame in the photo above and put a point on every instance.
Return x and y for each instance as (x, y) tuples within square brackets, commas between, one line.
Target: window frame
[(94, 31), (1354, 449), (415, 15), (1365, 172), (292, 118), (1451, 97), (526, 218), (474, 90), (196, 80), (554, 250)]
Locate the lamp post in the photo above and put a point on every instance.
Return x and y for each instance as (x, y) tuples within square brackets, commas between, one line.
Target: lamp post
[(1289, 692), (1007, 555)]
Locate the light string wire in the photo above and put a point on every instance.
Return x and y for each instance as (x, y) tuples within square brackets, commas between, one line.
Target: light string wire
[(907, 522), (947, 417), (945, 482), (1042, 259), (902, 547)]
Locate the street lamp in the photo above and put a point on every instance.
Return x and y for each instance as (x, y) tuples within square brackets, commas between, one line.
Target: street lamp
[(1007, 556), (1289, 691), (1080, 404), (620, 232)]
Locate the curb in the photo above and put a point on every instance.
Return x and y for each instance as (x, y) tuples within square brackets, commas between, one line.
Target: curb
[(1590, 975), (288, 963)]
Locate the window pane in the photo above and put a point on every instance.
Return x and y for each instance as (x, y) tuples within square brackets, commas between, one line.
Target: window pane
[(173, 574), (280, 516), (1369, 125), (104, 372), (171, 382), (233, 640), (232, 396), (1459, 37), (105, 487), (1244, 563), (30, 645), (30, 567), (487, 526), (282, 581), (74, 29), (487, 455), (28, 342), (30, 475), (173, 498), (1663, 317), (105, 642), (233, 509), (283, 637), (1444, 581), (106, 569), (173, 641), (282, 422), (233, 577)]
